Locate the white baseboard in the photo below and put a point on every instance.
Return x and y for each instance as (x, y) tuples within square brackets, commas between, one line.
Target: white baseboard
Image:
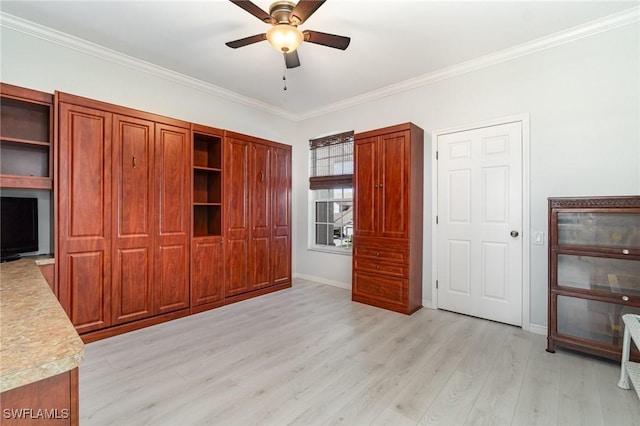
[(428, 304), (538, 329), (346, 286)]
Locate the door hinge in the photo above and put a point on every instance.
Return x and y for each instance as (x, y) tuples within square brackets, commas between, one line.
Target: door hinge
[(436, 155), (436, 220), (436, 284)]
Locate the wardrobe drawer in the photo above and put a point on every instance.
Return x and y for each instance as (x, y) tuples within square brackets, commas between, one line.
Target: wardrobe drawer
[(393, 255), (368, 264), (391, 290)]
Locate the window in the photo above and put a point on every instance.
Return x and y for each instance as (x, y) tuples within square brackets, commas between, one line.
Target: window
[(331, 185)]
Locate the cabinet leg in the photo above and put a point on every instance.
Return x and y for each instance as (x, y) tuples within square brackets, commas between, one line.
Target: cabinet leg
[(551, 347), (624, 376)]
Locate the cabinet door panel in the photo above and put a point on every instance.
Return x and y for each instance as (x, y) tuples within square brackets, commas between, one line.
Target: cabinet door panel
[(236, 168), (83, 198), (88, 285), (364, 176), (281, 216), (207, 281), (172, 163), (260, 202), (393, 189), (171, 290), (132, 296)]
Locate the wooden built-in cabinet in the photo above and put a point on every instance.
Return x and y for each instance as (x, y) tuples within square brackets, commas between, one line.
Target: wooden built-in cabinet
[(122, 200), (258, 216), (207, 249), (387, 241), (594, 273), (26, 138), (155, 218)]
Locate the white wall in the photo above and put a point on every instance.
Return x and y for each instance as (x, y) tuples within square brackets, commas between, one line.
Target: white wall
[(39, 64), (584, 104)]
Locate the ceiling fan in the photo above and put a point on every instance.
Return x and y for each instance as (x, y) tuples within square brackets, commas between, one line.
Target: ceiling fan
[(284, 35)]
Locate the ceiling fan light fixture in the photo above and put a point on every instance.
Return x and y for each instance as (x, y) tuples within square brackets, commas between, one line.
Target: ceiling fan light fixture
[(284, 38)]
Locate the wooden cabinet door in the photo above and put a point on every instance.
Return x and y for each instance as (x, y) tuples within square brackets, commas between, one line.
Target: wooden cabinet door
[(84, 215), (132, 221), (260, 205), (236, 169), (172, 190), (207, 279), (365, 177), (393, 185), (281, 216)]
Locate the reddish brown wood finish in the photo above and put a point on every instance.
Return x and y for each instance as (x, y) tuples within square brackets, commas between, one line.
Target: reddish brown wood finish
[(83, 198), (260, 213), (51, 401), (172, 188), (237, 226), (600, 205), (26, 136), (207, 271), (132, 219), (281, 216), (207, 246), (258, 188), (387, 243), (123, 205)]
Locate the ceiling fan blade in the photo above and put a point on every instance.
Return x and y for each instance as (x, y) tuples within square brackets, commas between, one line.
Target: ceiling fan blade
[(329, 40), (253, 9), (291, 59), (246, 41), (303, 10)]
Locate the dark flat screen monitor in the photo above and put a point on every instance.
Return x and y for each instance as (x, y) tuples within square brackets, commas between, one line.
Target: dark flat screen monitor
[(19, 230)]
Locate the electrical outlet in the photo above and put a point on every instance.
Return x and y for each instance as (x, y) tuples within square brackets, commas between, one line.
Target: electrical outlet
[(538, 238)]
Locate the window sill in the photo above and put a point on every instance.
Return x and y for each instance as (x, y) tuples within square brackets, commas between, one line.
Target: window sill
[(341, 252)]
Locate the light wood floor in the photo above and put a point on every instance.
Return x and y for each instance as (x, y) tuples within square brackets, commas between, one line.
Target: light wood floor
[(308, 355)]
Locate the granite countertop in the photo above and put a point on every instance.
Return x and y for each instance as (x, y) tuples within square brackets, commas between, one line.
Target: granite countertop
[(37, 340)]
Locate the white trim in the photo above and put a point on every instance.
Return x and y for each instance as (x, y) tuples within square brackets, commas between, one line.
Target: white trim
[(427, 304), (588, 29), (526, 238), (538, 329), (598, 26), (93, 49), (346, 286)]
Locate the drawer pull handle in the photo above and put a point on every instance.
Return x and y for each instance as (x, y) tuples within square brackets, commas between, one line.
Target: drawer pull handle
[(377, 288), (377, 266), (377, 253), (625, 298), (625, 251)]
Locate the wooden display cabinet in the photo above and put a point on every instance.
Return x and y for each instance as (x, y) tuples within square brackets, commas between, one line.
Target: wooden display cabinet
[(207, 255), (26, 159), (594, 272)]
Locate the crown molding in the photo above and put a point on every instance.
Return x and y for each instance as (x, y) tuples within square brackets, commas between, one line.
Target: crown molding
[(66, 40), (579, 32), (598, 26)]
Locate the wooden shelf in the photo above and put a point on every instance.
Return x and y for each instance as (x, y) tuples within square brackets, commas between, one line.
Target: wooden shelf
[(26, 159), (207, 182)]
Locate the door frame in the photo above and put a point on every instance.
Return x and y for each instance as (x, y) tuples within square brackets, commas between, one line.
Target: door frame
[(523, 119)]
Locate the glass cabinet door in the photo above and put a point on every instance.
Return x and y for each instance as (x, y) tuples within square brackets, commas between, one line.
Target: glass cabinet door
[(592, 320), (599, 229), (618, 276)]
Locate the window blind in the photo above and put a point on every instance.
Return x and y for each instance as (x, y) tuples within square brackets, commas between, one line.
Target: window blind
[(331, 161)]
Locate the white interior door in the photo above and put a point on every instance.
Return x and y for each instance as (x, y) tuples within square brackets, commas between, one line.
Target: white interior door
[(479, 227)]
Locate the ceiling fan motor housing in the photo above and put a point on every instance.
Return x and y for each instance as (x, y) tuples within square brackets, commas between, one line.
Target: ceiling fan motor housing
[(280, 11)]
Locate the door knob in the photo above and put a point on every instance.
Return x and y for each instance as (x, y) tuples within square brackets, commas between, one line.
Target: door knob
[(514, 234)]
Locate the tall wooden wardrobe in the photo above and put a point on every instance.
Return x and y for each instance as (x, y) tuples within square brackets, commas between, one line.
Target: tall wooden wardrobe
[(388, 196), (122, 216), (257, 216)]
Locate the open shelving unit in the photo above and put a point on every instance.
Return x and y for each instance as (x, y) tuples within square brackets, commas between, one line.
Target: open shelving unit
[(207, 184), (26, 159)]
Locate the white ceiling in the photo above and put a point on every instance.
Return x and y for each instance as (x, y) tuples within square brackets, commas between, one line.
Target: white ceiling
[(391, 40)]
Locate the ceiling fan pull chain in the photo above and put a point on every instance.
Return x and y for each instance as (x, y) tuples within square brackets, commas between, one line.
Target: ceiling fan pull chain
[(284, 78)]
